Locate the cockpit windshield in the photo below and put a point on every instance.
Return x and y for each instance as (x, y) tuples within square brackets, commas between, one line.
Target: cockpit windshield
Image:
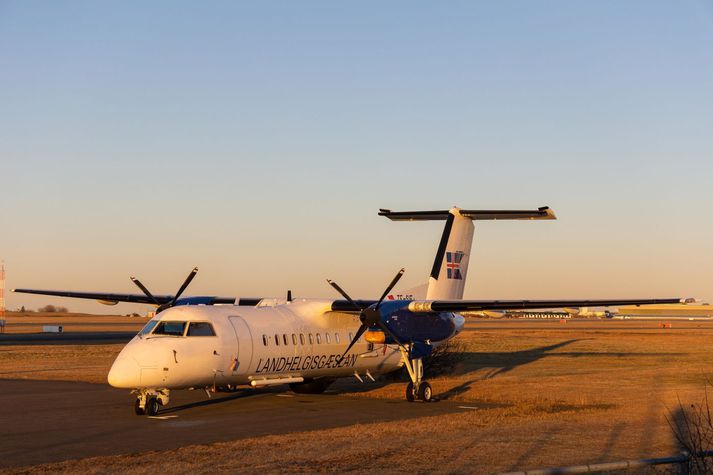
[(148, 327), (200, 329), (166, 327)]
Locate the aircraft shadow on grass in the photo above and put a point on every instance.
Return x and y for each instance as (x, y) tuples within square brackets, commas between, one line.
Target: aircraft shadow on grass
[(503, 362), (499, 363)]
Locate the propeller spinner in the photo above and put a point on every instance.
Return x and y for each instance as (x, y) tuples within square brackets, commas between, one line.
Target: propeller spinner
[(369, 316)]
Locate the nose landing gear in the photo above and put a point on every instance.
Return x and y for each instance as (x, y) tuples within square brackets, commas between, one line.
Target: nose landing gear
[(149, 401)]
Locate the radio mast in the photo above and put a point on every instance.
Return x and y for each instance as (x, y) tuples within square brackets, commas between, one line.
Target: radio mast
[(2, 296)]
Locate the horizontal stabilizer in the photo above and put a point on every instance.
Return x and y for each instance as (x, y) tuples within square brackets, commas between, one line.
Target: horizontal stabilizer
[(441, 215)]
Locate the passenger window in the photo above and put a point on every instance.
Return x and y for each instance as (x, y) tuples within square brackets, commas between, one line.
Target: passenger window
[(170, 328), (336, 338), (277, 339), (326, 338), (264, 340), (319, 338), (302, 338), (294, 339), (310, 339), (200, 329), (284, 338)]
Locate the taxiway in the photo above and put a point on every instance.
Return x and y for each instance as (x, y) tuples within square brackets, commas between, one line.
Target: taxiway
[(50, 421)]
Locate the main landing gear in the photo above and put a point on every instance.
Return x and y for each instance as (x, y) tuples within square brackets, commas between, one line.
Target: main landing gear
[(417, 389), (149, 401)]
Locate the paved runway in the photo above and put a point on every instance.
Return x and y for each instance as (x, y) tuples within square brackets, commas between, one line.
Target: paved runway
[(49, 421)]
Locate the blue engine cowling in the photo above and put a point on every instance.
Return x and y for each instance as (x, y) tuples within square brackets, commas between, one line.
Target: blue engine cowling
[(412, 327)]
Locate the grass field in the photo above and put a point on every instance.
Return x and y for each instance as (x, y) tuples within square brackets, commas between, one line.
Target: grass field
[(542, 394)]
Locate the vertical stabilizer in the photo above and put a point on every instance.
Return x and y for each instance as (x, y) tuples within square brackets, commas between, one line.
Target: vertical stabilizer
[(450, 267)]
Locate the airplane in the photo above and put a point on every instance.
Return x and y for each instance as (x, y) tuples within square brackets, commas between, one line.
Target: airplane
[(222, 343)]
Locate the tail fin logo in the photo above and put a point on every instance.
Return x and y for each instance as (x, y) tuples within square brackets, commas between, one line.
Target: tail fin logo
[(453, 264)]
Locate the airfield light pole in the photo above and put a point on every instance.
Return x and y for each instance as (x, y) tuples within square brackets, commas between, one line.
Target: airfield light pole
[(2, 297)]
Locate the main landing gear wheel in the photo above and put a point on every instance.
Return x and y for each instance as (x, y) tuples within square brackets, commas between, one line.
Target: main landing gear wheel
[(417, 388), (410, 393), (152, 406), (425, 392), (140, 411)]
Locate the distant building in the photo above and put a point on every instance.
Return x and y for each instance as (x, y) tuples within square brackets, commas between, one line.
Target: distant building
[(538, 315), (666, 311)]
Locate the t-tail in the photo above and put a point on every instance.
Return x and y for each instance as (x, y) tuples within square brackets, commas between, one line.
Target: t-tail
[(450, 267)]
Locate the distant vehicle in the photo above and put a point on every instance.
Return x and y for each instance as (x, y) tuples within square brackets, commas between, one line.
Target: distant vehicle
[(221, 343)]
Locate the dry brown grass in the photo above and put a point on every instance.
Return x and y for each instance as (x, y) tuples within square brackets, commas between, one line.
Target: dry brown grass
[(546, 394), (480, 441), (87, 363)]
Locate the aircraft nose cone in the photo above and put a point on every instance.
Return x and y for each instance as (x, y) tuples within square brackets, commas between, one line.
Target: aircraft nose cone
[(124, 373)]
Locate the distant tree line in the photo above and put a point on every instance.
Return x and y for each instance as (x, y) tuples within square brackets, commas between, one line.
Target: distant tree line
[(52, 309), (46, 309)]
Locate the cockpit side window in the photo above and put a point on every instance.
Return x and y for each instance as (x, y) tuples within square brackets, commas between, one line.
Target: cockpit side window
[(200, 329), (148, 327), (166, 327)]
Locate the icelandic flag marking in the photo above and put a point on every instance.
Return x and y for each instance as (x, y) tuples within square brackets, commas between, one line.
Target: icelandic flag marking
[(453, 264)]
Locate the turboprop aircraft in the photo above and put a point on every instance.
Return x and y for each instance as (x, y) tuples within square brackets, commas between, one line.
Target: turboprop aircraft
[(222, 343)]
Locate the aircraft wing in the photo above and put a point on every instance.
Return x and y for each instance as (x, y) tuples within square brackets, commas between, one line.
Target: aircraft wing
[(112, 298), (475, 305)]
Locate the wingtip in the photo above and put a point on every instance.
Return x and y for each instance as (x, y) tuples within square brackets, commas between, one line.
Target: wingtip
[(548, 211)]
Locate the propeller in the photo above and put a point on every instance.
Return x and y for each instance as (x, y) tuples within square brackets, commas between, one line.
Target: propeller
[(173, 301), (369, 316)]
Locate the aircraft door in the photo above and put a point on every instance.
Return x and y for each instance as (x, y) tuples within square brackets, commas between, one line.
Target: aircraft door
[(242, 358)]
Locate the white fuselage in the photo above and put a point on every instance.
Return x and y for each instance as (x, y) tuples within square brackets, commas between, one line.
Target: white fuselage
[(252, 345)]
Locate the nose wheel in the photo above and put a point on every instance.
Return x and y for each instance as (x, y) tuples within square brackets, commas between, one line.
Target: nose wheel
[(152, 406), (149, 401)]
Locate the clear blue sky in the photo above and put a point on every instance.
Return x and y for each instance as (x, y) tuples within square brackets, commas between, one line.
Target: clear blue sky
[(257, 141)]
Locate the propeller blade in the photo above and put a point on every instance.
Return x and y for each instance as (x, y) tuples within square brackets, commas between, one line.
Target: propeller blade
[(183, 287), (391, 286), (383, 326), (144, 290), (344, 294), (358, 335)]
